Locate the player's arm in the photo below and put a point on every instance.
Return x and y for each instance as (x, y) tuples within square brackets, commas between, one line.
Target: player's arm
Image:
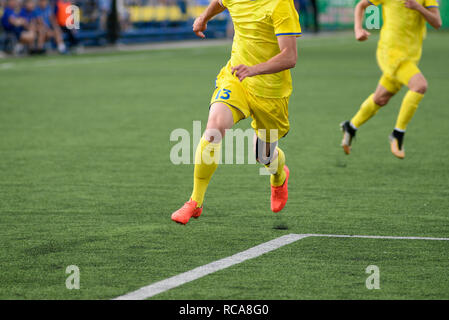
[(284, 60), (359, 13), (432, 15), (200, 25)]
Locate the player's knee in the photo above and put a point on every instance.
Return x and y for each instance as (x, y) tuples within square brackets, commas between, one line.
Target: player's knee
[(215, 130), (381, 100), (220, 119), (214, 135), (420, 87), (418, 83)]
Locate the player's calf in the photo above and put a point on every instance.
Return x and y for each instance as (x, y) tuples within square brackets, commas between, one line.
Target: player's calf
[(418, 87)]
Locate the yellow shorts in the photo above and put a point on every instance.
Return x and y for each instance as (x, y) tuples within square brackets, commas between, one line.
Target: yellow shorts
[(270, 115), (396, 73)]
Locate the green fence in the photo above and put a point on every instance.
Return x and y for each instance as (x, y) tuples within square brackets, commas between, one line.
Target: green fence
[(444, 7), (339, 14)]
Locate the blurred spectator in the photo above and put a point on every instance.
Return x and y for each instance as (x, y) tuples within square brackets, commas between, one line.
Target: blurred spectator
[(63, 14), (104, 8), (316, 21), (123, 15), (52, 20), (182, 4), (309, 10), (20, 23), (28, 12), (48, 27)]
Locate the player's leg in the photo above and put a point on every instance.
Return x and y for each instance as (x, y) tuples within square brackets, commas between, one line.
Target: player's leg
[(270, 122), (208, 151), (207, 157), (385, 90), (273, 158), (417, 85), (229, 105)]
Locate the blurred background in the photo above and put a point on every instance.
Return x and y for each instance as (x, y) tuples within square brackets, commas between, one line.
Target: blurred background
[(40, 26), (86, 177)]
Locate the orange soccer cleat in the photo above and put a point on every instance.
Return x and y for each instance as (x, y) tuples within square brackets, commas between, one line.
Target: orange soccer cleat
[(188, 210), (279, 195), (397, 144), (348, 136)]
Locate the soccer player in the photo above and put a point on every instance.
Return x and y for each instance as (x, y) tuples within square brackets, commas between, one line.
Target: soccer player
[(255, 82), (398, 53)]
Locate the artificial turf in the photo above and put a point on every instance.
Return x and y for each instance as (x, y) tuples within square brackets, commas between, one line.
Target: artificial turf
[(86, 179)]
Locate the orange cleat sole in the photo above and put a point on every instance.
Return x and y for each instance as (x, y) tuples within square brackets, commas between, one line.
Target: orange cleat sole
[(187, 211), (398, 153), (279, 195)]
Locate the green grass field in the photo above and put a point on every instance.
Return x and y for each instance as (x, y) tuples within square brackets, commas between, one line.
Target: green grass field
[(86, 180)]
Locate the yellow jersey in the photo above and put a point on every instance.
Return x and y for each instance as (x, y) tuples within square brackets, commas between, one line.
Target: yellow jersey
[(403, 30), (257, 24)]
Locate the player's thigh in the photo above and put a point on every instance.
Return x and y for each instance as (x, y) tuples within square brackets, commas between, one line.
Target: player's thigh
[(409, 75), (387, 88), (225, 109), (270, 117), (230, 91)]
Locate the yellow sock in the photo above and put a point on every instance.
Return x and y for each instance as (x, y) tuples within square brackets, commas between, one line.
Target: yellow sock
[(368, 109), (278, 177), (206, 161), (409, 105)]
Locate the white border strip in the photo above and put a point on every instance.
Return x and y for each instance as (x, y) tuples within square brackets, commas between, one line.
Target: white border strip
[(373, 237), (202, 271), (254, 252)]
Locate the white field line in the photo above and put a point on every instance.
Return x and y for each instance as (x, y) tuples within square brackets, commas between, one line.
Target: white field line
[(254, 252), (180, 279), (375, 237)]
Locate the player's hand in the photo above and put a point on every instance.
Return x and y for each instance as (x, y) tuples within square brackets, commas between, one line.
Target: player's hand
[(21, 22), (411, 4), (199, 26), (241, 71), (362, 35)]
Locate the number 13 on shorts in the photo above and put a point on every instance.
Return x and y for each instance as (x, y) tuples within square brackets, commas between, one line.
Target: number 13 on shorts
[(223, 94)]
